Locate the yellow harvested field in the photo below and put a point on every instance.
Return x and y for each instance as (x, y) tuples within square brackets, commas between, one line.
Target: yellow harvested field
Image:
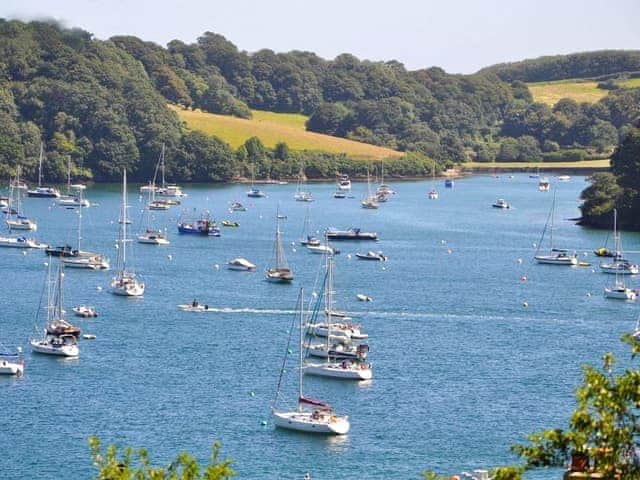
[(551, 92), (272, 128), (583, 164)]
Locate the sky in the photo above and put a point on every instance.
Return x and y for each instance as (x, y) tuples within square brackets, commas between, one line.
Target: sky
[(459, 36)]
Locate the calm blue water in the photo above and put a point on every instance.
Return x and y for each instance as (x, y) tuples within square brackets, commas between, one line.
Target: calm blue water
[(462, 369)]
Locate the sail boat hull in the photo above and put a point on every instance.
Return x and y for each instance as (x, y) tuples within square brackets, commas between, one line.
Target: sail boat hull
[(44, 192), (127, 287), (557, 260), (47, 348), (279, 275), (342, 370), (305, 422), (619, 293), (24, 224)]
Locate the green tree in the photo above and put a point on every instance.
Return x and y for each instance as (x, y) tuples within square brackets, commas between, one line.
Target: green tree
[(603, 428), (136, 465)]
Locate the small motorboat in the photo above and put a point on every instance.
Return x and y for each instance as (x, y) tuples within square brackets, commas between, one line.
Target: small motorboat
[(241, 264), (159, 205), (84, 311), (230, 223), (339, 194), (21, 242), (12, 363), (448, 183), (350, 234), (564, 178), (237, 207), (194, 307), (364, 298), (256, 193), (501, 203), (371, 255), (604, 252), (89, 336), (310, 240)]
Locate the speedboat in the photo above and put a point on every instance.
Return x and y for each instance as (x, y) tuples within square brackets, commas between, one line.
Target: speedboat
[(63, 345), (84, 311), (363, 298), (230, 223), (241, 264), (350, 234), (433, 194), (194, 307), (237, 207), (564, 178), (339, 194), (371, 255), (501, 203), (21, 242)]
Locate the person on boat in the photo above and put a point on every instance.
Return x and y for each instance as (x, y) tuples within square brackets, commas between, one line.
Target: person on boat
[(194, 304)]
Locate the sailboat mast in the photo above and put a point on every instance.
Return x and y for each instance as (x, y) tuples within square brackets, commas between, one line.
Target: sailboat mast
[(40, 166), (553, 215), (123, 240), (79, 225), (68, 173), (300, 346), (278, 247), (162, 159), (329, 298)]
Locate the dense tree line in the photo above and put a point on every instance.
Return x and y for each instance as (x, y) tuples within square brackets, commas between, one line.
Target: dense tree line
[(619, 188), (103, 104), (561, 67)]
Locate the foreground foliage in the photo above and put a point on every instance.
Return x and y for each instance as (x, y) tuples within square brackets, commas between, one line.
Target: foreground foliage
[(604, 427), (137, 465)]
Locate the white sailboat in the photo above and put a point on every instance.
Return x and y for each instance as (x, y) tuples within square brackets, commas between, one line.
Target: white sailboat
[(305, 237), (254, 192), (370, 201), (40, 191), (383, 190), (151, 236), (74, 196), (618, 264), (301, 194), (433, 193), (312, 416), (125, 283), (555, 256), (347, 369), (15, 218), (281, 272), (59, 336), (83, 259), (167, 189), (619, 291)]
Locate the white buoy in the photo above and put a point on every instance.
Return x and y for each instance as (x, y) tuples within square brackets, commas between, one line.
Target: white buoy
[(593, 270), (46, 264), (585, 254), (170, 257), (116, 246), (293, 244), (314, 294), (24, 252), (349, 256), (449, 251), (99, 288), (293, 250), (588, 294), (525, 304), (443, 242), (216, 266), (384, 268), (520, 260), (534, 245)]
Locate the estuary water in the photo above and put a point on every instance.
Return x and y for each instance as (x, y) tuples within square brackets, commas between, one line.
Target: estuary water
[(462, 369)]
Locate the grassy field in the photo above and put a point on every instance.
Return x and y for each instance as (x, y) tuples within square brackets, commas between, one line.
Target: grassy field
[(580, 91), (551, 92), (272, 128), (582, 165)]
